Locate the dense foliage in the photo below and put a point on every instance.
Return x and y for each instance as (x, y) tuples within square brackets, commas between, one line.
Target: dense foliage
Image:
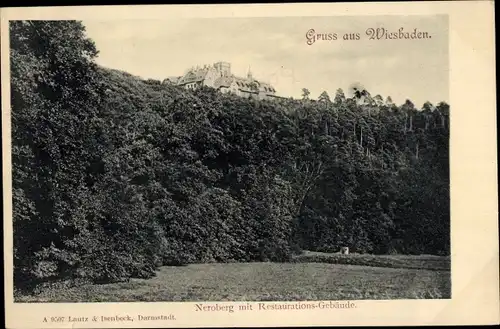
[(114, 176)]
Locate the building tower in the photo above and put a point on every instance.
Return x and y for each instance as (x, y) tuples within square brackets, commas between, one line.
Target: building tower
[(224, 68), (249, 74)]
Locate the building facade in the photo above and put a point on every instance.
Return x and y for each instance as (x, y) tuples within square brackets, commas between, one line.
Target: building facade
[(219, 76)]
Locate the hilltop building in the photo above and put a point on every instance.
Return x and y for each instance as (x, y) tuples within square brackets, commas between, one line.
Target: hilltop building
[(219, 76)]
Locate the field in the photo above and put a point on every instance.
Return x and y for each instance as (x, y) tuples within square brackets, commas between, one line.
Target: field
[(313, 276)]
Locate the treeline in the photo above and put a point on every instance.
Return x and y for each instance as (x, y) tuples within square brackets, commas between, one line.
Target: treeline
[(114, 176)]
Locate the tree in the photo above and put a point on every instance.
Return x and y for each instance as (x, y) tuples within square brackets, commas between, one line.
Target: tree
[(79, 212), (379, 101), (305, 93), (56, 149), (339, 97), (444, 110), (324, 97)]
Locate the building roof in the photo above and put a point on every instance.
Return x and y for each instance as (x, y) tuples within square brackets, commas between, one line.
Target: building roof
[(223, 82), (246, 84), (243, 84), (194, 76), (265, 87)]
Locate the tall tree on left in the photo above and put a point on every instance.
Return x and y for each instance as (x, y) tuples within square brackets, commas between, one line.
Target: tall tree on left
[(57, 145)]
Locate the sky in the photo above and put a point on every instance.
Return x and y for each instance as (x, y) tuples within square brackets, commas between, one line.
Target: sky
[(275, 50)]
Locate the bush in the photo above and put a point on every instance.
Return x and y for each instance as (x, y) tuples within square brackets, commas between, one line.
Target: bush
[(415, 262)]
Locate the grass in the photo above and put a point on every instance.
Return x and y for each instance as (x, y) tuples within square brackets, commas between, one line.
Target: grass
[(275, 281)]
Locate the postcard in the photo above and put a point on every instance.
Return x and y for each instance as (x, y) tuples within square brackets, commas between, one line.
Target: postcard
[(250, 165)]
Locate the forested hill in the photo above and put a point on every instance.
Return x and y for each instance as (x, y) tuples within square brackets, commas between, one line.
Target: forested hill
[(114, 175)]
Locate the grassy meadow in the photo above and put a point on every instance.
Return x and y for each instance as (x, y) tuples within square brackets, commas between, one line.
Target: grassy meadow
[(313, 276)]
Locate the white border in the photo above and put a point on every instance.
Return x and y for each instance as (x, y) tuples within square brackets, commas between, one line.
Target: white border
[(474, 209)]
